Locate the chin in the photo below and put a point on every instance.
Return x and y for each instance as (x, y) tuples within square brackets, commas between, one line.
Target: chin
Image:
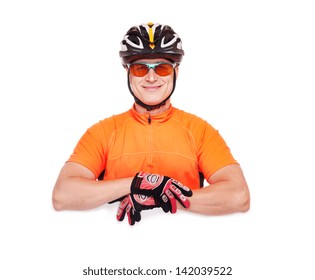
[(153, 99), (152, 102)]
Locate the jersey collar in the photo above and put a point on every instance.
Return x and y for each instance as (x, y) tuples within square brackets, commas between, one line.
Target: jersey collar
[(146, 118)]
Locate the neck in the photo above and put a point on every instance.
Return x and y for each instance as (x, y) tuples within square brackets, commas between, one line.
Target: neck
[(160, 110)]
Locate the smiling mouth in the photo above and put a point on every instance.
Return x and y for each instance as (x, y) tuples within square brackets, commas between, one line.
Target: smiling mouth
[(151, 87)]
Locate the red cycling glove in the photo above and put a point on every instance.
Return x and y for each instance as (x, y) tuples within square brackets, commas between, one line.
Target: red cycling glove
[(132, 206), (163, 189)]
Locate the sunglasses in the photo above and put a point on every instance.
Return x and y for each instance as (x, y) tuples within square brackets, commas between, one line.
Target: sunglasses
[(140, 69)]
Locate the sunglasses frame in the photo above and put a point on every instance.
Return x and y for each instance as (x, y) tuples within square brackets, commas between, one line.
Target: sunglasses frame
[(151, 66)]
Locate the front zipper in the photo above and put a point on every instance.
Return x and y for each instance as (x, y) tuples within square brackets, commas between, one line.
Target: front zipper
[(150, 164)]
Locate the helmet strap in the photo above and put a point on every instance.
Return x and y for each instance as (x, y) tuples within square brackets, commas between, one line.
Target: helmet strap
[(151, 107)]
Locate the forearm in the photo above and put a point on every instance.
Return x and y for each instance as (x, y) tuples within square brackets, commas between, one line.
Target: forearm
[(219, 199), (75, 193)]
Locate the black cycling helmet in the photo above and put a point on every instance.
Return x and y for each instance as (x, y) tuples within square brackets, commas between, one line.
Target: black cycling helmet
[(151, 41)]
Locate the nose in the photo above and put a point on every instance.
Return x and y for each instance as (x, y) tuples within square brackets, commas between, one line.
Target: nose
[(151, 76)]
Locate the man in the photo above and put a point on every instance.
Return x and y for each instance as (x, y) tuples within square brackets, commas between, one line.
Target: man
[(153, 155)]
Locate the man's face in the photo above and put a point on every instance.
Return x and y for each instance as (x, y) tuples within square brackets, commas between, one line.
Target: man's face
[(152, 89)]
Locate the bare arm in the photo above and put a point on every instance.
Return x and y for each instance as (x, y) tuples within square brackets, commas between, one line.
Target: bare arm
[(227, 193), (77, 189)]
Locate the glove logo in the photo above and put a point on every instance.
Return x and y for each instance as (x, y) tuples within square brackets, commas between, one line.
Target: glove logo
[(154, 179), (144, 199)]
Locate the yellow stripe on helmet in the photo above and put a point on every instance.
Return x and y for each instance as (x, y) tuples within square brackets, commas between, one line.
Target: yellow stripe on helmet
[(151, 35)]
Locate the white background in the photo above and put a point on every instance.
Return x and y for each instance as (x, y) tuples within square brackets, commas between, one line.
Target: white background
[(248, 70)]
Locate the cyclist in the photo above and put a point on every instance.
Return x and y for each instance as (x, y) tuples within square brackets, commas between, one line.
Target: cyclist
[(153, 155)]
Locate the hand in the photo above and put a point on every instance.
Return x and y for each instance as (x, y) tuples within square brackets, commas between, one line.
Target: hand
[(132, 205), (165, 190)]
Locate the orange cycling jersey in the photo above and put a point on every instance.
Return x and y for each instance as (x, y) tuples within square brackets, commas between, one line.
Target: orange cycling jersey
[(175, 143)]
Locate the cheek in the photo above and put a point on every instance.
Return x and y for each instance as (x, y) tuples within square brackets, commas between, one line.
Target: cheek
[(170, 83), (133, 82)]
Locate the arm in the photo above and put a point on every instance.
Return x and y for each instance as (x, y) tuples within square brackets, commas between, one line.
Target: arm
[(77, 189), (227, 193)]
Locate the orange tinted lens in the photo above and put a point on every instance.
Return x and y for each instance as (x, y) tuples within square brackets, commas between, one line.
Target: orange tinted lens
[(163, 69), (138, 70)]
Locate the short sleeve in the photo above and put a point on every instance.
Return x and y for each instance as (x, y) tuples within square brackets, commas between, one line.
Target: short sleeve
[(90, 151), (213, 151)]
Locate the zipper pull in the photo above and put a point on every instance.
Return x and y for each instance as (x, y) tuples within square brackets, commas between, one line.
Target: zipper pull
[(149, 119)]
